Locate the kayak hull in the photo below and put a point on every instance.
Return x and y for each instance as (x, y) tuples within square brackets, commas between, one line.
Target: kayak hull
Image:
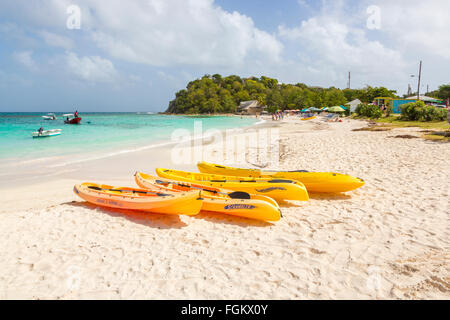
[(73, 121), (278, 190), (184, 203), (309, 118), (217, 200), (318, 182)]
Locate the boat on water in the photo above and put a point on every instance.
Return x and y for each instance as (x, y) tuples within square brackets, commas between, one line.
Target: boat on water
[(50, 116), (71, 119), (46, 133)]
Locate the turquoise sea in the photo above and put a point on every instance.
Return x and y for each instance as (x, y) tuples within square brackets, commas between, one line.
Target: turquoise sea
[(97, 132)]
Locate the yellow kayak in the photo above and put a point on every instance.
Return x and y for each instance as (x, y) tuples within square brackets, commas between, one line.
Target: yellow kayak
[(278, 189), (309, 118), (313, 181), (187, 203), (217, 200)]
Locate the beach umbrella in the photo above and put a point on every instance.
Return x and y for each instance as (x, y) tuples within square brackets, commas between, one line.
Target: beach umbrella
[(345, 108), (305, 110), (314, 109), (336, 109)]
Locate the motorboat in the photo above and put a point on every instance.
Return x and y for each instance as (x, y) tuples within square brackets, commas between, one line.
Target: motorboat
[(71, 119), (50, 116), (46, 133)]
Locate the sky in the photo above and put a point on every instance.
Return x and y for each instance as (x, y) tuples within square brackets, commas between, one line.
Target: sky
[(134, 55)]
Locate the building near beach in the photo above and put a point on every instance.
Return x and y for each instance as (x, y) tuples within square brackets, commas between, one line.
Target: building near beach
[(353, 104), (396, 103), (424, 99), (251, 107)]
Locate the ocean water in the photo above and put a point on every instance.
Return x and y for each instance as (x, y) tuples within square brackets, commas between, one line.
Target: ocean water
[(98, 132)]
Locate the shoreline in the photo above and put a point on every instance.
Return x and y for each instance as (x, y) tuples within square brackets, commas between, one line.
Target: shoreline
[(386, 240), (19, 169)]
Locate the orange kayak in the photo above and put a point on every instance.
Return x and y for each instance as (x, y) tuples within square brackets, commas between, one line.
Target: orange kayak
[(186, 203)]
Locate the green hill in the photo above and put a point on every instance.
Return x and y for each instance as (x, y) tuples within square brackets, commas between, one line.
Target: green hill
[(217, 94)]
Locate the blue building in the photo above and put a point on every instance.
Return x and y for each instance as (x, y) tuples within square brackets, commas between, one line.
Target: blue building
[(396, 103)]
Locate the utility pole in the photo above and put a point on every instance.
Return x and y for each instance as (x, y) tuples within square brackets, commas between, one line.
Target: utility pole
[(348, 83), (418, 84)]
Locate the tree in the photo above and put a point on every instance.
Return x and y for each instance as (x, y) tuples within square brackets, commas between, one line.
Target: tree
[(242, 96), (269, 82), (274, 99), (217, 78), (444, 92), (214, 93), (334, 97)]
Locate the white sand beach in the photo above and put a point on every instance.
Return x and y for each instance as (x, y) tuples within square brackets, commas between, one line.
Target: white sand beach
[(389, 239)]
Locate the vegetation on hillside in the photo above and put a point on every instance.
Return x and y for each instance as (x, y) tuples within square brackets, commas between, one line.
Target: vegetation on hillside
[(217, 94), (442, 93)]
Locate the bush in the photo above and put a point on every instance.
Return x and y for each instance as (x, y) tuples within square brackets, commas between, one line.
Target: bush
[(418, 111), (368, 110)]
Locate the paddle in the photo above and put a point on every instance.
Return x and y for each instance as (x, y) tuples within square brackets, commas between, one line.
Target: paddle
[(232, 195)]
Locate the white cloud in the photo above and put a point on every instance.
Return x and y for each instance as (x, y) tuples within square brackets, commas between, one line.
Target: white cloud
[(303, 3), (173, 32), (339, 44), (418, 26), (329, 46), (91, 69), (25, 58), (200, 37), (55, 40)]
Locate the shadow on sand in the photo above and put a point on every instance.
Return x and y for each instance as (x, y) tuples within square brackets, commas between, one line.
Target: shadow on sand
[(329, 196), (148, 219), (230, 219), (315, 196)]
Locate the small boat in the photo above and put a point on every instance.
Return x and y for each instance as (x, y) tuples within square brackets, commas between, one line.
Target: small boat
[(308, 118), (71, 119), (327, 182), (50, 116), (46, 133), (186, 203), (217, 200), (278, 189)]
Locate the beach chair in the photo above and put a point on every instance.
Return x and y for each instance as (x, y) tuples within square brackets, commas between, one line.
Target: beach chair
[(333, 118)]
